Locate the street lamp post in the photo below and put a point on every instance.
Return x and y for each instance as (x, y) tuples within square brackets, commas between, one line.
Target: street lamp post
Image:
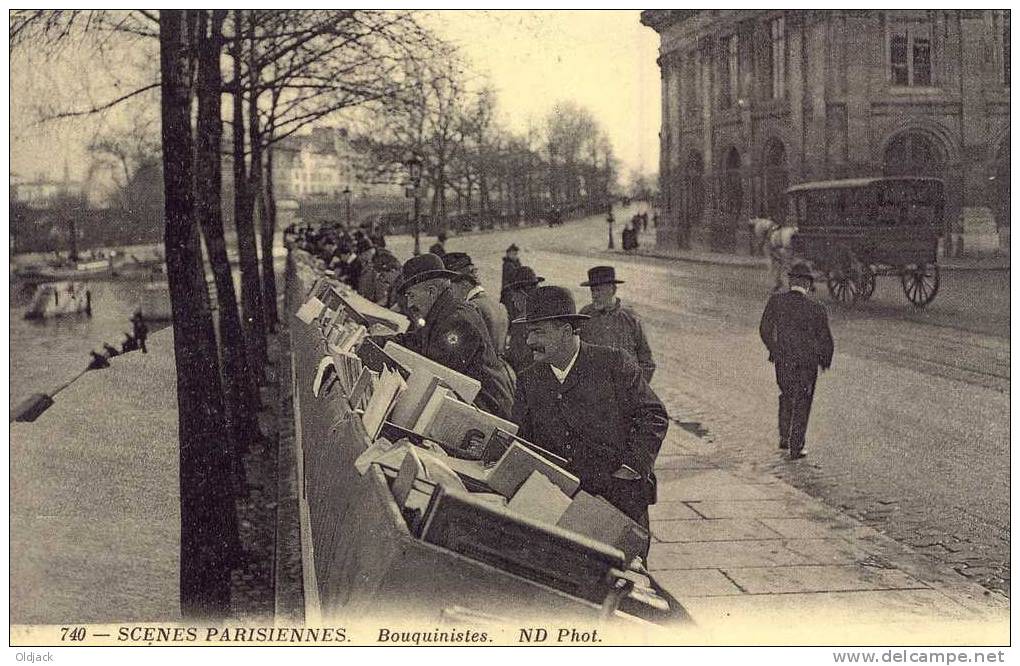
[(609, 221), (413, 163), (347, 204)]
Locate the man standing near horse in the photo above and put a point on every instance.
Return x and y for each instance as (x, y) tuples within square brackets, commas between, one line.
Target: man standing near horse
[(777, 240)]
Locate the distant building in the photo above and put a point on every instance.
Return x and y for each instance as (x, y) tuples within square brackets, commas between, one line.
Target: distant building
[(41, 192), (756, 100), (321, 165)]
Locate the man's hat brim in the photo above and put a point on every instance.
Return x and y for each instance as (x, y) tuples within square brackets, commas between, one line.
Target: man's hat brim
[(589, 283), (523, 283), (533, 320), (426, 275)]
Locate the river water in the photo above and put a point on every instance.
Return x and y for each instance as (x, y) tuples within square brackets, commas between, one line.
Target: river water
[(46, 353)]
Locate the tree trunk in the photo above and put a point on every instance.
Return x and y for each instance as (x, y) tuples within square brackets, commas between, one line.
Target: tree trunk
[(238, 379), (268, 216), (251, 285), (209, 541), (258, 201)]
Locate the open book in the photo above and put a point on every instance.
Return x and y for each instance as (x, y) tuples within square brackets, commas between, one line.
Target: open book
[(465, 387), (386, 390)]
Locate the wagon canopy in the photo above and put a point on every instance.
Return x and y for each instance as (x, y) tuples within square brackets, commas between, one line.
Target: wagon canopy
[(868, 202)]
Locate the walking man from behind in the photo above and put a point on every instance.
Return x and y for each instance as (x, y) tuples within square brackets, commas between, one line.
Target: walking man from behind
[(795, 329)]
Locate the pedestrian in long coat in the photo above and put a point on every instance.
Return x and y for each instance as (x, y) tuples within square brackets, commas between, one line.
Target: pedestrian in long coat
[(795, 329), (511, 262), (590, 405), (612, 324), (454, 333)]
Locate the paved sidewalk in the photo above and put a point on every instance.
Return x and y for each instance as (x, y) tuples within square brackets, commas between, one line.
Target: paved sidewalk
[(756, 561), (997, 262)]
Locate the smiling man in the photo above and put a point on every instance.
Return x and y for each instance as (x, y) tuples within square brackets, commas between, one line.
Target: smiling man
[(589, 405)]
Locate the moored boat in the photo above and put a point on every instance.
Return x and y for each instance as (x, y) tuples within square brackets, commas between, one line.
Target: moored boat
[(55, 299)]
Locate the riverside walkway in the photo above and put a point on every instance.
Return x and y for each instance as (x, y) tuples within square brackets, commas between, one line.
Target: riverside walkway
[(95, 517)]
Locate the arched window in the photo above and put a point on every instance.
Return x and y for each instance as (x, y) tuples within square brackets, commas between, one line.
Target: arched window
[(913, 154), (694, 188), (1000, 184), (776, 181), (731, 190)]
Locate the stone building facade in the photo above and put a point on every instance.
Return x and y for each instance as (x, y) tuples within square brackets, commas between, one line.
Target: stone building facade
[(756, 100)]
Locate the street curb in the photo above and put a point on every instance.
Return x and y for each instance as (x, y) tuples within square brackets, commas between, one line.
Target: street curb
[(743, 261)]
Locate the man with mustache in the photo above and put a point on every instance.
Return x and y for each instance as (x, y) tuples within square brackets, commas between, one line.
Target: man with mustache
[(453, 333), (589, 405)]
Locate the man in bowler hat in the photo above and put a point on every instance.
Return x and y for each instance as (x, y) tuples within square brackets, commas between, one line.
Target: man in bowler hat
[(795, 329), (589, 405), (454, 333), (612, 324)]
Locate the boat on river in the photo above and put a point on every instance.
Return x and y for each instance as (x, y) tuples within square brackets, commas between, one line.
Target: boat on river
[(55, 299)]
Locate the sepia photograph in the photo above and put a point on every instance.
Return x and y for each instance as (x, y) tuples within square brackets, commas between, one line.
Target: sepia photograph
[(510, 328)]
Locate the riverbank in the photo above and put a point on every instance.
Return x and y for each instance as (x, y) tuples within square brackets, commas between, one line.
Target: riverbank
[(95, 502)]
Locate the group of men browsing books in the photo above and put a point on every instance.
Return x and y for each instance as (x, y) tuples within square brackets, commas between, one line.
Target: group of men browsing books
[(575, 383)]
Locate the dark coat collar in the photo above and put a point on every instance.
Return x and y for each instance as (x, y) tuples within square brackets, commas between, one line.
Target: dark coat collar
[(579, 370)]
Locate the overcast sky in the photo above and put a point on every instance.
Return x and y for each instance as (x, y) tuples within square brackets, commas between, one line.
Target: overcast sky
[(603, 60)]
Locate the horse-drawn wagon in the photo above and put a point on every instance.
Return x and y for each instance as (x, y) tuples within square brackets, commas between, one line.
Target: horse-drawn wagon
[(856, 229)]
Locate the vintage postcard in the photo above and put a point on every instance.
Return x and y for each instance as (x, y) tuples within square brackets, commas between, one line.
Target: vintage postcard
[(567, 327)]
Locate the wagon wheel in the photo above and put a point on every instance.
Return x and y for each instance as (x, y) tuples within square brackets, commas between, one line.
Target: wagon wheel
[(846, 281), (867, 283), (920, 283)]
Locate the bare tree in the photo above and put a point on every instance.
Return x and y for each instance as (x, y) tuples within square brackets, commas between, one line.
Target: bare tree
[(209, 545), (237, 373)]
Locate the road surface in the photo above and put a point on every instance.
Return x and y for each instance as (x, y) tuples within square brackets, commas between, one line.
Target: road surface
[(910, 428)]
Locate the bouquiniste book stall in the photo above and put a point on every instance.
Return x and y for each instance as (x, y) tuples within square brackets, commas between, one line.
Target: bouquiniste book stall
[(417, 503)]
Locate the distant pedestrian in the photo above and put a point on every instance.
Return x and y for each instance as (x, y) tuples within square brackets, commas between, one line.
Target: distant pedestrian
[(362, 272), (612, 324), (141, 331), (795, 329), (511, 263), (439, 247), (387, 269)]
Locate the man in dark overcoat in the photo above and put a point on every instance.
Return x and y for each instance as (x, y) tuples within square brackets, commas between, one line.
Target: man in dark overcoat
[(589, 405), (439, 247), (795, 329), (515, 297), (454, 333), (468, 287)]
